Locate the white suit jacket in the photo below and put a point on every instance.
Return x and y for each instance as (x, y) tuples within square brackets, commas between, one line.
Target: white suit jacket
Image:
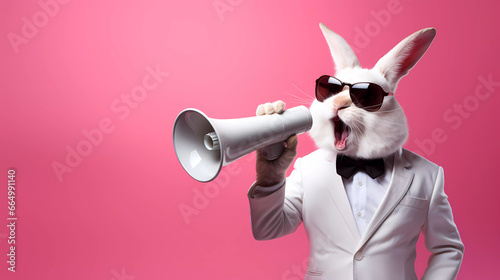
[(415, 202)]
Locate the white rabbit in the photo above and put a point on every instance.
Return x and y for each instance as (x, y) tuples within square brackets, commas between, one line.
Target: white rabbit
[(360, 225)]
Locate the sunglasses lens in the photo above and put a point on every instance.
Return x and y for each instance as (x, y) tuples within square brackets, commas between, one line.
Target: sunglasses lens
[(367, 96), (327, 86)]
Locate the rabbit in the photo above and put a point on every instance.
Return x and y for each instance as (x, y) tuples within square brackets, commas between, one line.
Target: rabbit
[(364, 134), (360, 225)]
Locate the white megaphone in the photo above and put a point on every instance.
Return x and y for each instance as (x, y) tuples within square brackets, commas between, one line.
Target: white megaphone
[(203, 145)]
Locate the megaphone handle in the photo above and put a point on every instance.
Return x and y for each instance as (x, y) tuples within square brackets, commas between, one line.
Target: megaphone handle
[(273, 151)]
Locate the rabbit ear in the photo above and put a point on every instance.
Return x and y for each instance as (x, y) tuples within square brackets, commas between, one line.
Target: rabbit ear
[(342, 54), (397, 62)]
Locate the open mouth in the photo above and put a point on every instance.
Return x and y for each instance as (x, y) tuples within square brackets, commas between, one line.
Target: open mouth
[(341, 132)]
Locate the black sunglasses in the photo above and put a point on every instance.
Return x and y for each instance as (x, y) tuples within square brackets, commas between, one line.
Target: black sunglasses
[(368, 96)]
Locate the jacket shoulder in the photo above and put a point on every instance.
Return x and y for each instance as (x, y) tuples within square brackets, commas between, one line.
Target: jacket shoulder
[(418, 162)]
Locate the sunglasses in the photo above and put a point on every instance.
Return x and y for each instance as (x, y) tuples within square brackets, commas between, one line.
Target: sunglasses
[(368, 96)]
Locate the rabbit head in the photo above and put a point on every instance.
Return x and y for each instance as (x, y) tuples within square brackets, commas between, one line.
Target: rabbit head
[(341, 126)]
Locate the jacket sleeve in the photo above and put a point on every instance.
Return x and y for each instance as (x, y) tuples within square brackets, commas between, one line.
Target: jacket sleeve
[(441, 236), (278, 213)]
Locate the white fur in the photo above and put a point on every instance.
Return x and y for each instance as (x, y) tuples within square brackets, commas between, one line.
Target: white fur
[(372, 134)]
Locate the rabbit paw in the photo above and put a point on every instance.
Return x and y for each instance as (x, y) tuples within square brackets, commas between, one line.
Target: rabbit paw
[(271, 108)]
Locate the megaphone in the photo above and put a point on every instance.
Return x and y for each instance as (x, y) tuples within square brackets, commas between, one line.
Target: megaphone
[(203, 145)]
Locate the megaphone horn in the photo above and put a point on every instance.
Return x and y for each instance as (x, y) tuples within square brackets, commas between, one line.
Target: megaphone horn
[(203, 145)]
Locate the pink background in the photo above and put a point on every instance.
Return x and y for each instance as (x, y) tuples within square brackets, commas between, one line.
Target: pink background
[(117, 214)]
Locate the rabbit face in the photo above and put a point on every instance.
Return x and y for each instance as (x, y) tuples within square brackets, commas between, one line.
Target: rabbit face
[(341, 126)]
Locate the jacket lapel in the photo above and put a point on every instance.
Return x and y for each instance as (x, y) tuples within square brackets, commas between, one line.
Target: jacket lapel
[(339, 196), (402, 176)]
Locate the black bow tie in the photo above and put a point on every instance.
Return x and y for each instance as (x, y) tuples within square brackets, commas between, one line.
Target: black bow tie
[(346, 166)]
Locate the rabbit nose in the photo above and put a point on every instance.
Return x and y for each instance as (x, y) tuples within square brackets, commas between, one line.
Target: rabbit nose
[(341, 101)]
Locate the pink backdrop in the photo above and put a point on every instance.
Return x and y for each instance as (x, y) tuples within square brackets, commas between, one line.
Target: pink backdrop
[(90, 91)]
